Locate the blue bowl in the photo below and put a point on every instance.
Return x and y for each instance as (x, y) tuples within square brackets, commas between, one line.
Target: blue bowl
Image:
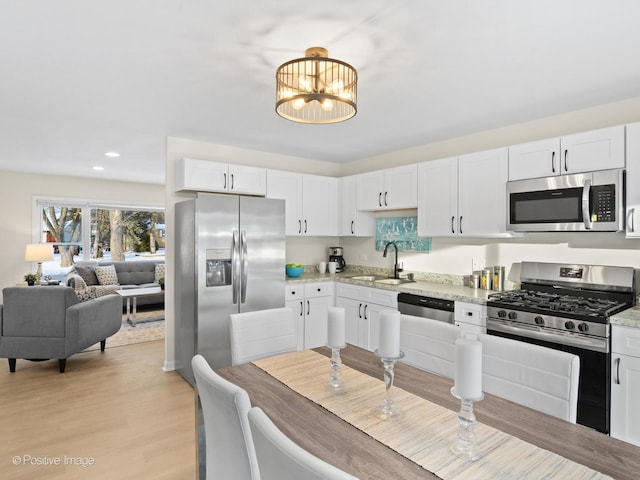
[(294, 272)]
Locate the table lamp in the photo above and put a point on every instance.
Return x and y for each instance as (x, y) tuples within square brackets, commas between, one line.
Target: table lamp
[(38, 252)]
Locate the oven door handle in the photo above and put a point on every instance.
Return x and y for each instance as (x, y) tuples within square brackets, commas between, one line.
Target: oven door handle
[(586, 207), (594, 344)]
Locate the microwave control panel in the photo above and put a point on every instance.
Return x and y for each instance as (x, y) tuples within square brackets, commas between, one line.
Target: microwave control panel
[(604, 203)]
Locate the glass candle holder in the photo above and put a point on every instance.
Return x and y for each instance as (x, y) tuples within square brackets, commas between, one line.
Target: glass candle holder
[(464, 444), (388, 410), (335, 383)]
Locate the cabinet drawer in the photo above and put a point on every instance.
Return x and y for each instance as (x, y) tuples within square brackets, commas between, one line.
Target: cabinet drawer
[(319, 289), (386, 298), (294, 292), (625, 340), (471, 313), (349, 291)]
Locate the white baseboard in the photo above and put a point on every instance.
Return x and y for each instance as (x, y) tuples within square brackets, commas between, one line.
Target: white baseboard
[(169, 366)]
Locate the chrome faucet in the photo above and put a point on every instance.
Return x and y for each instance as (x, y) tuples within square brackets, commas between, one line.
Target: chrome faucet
[(396, 268)]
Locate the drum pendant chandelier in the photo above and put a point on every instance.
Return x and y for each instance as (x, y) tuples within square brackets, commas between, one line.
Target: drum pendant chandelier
[(316, 89)]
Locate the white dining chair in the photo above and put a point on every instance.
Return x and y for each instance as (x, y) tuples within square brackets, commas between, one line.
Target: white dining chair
[(229, 445), (280, 458), (537, 377), (262, 333), (429, 344)]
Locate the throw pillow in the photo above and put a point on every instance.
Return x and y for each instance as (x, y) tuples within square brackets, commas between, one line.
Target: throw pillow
[(88, 275), (106, 275), (159, 271)]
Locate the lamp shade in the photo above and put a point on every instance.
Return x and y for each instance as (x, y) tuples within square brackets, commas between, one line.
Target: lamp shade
[(316, 89), (38, 252)]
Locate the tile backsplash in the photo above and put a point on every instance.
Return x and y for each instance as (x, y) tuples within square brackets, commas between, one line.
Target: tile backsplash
[(403, 231)]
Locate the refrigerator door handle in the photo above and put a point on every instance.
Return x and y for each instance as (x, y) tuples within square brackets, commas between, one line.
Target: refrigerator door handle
[(244, 259), (235, 265)]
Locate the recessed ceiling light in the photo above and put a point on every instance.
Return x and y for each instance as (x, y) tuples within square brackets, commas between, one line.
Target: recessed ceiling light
[(112, 154), (98, 168)]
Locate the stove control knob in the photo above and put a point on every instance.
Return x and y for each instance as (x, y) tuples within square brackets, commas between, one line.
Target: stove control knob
[(512, 315), (583, 327), (569, 325), (502, 313), (539, 320)]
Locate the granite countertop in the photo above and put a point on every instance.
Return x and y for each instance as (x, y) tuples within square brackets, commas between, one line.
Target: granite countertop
[(627, 318), (446, 291)]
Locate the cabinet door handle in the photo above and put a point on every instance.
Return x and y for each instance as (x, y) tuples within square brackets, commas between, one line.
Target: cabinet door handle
[(305, 226), (617, 380), (385, 199), (301, 308), (352, 225), (380, 199), (460, 228), (308, 307), (631, 220), (453, 219), (360, 311), (553, 162), (225, 181), (566, 152), (299, 226), (232, 181), (365, 312)]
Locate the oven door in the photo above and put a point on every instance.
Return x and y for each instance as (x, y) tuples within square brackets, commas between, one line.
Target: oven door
[(580, 202), (594, 390)]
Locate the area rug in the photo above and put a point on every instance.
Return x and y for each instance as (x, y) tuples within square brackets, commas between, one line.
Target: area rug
[(149, 327)]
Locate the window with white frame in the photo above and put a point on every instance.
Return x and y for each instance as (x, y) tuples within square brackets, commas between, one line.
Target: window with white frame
[(96, 231)]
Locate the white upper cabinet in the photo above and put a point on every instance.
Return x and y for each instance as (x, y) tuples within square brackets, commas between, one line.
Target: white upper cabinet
[(287, 186), (534, 159), (438, 198), (482, 198), (463, 196), (388, 189), (353, 223), (311, 202), (633, 181), (601, 149), (204, 176), (320, 205)]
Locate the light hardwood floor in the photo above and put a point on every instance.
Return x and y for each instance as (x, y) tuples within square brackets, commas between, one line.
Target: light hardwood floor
[(117, 409)]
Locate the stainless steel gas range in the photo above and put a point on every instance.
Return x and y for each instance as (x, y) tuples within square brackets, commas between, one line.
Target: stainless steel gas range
[(567, 307)]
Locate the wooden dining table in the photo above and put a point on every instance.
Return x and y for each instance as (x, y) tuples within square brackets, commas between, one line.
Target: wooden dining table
[(334, 440)]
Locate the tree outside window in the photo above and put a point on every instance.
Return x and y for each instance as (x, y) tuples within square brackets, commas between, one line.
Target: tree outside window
[(115, 234)]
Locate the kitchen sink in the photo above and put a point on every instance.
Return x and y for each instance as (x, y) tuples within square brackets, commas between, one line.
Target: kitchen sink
[(365, 278), (394, 281)]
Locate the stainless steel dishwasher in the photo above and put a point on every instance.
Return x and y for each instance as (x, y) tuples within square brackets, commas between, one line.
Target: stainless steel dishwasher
[(426, 307)]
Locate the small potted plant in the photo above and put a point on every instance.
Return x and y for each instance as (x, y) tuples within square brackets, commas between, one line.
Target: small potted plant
[(161, 282), (31, 279)]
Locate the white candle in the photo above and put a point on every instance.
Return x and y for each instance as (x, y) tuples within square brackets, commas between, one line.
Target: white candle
[(468, 381), (389, 334), (336, 327)]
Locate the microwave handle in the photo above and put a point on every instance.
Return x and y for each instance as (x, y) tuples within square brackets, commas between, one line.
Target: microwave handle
[(586, 208)]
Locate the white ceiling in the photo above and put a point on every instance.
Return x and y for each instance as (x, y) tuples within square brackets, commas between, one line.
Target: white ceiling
[(79, 78)]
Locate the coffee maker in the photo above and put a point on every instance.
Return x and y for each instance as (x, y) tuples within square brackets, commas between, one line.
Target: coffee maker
[(335, 255)]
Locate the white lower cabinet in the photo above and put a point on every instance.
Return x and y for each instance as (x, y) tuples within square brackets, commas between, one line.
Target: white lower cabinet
[(362, 312), (311, 302), (470, 317), (625, 383), (295, 301)]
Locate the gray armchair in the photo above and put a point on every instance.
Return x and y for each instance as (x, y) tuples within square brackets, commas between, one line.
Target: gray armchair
[(38, 323)]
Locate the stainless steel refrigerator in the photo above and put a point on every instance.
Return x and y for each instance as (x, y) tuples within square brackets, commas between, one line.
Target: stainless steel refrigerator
[(230, 257)]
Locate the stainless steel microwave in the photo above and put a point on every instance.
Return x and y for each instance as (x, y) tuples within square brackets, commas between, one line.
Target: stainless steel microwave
[(592, 201)]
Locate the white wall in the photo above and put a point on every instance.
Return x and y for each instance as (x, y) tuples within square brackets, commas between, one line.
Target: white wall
[(16, 194)]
